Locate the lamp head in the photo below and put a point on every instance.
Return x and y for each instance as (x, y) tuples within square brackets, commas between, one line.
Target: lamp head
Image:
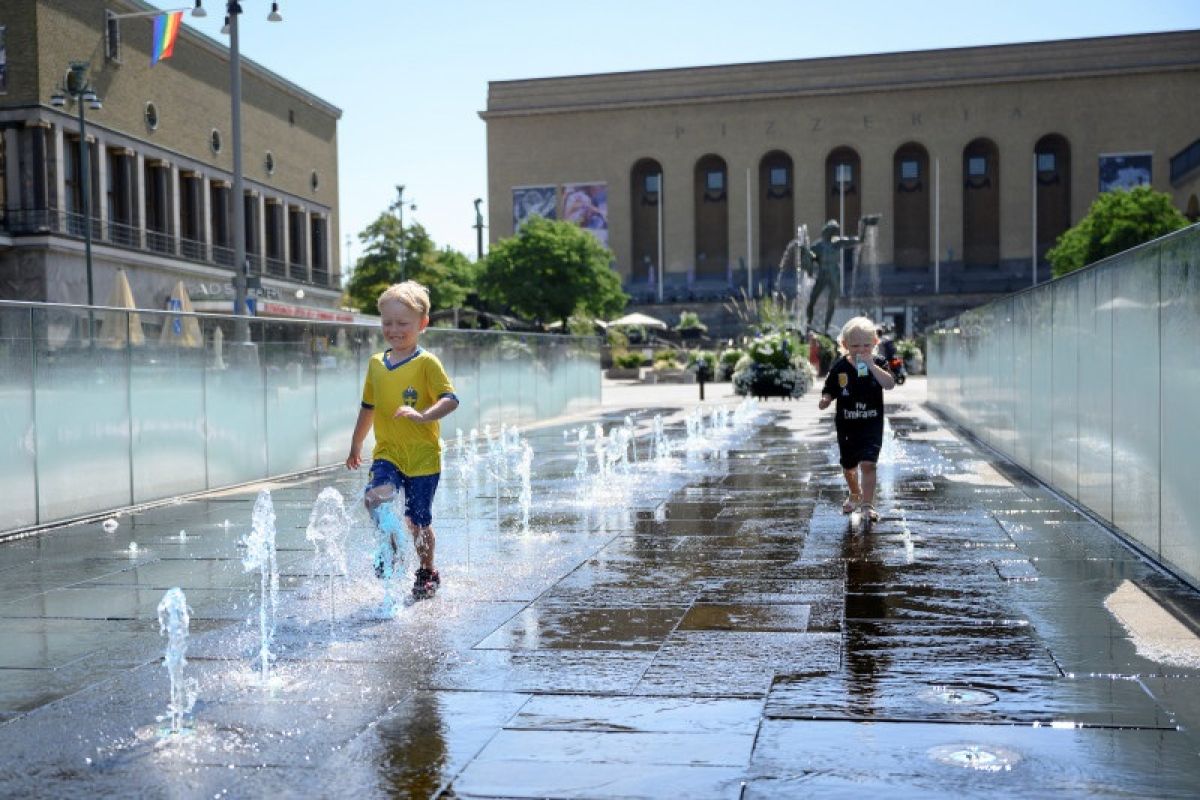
[(199, 11), (58, 99), (274, 16), (225, 27)]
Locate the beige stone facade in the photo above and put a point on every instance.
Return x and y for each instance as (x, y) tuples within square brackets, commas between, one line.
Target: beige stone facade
[(161, 165), (967, 123)]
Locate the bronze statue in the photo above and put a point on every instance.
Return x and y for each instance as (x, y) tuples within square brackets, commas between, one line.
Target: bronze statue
[(827, 253)]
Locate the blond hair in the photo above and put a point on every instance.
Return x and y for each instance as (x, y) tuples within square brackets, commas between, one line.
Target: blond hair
[(856, 325), (409, 293)]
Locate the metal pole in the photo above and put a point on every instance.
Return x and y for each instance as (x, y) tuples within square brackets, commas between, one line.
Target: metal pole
[(239, 200), (478, 230), (661, 194), (1033, 258), (841, 182), (749, 244), (937, 226), (400, 211)]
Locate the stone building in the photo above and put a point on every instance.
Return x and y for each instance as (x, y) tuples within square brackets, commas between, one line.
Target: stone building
[(161, 166), (977, 159)]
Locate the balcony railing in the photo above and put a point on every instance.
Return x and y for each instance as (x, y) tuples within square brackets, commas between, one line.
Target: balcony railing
[(32, 222)]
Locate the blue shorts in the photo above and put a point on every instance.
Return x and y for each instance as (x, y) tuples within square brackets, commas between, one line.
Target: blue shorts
[(418, 491)]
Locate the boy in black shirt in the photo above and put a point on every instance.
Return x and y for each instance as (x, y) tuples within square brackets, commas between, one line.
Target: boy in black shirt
[(856, 381)]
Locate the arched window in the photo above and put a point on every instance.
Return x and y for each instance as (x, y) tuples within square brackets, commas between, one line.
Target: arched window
[(1053, 157), (843, 192), (711, 198), (776, 212), (981, 204), (911, 190), (645, 193)]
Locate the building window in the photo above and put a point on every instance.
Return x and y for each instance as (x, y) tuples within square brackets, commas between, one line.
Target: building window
[(910, 170), (1045, 162), (651, 184), (214, 141), (314, 180), (779, 177), (152, 116), (976, 166), (269, 163), (845, 173), (715, 181)]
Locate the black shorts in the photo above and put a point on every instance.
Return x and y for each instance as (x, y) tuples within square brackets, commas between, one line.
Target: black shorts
[(853, 450)]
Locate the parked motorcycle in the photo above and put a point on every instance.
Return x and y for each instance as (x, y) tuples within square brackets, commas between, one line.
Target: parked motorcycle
[(896, 365)]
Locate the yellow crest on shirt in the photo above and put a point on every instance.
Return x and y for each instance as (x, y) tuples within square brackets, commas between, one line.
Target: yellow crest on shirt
[(843, 379)]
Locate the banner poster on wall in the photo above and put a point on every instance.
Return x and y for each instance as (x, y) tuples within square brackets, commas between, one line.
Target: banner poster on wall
[(530, 201), (1124, 170), (586, 204)]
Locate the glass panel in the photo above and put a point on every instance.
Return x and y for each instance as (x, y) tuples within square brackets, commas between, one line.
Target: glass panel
[(1180, 388), (338, 367), (1023, 392), (291, 403), (234, 401), (716, 180), (779, 176), (1136, 398), (18, 460), (1096, 389), (166, 402), (1064, 388), (976, 166), (910, 170), (1041, 377), (1045, 162), (82, 412), (651, 183)]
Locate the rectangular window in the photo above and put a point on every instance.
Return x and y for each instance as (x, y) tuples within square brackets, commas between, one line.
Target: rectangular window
[(715, 181), (651, 185), (976, 166), (910, 170), (845, 173), (1045, 162), (779, 177), (3, 59)]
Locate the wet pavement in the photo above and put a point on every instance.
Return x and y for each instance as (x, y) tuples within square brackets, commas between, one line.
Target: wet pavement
[(706, 624)]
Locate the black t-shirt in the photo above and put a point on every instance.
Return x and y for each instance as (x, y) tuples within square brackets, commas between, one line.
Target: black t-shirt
[(859, 400)]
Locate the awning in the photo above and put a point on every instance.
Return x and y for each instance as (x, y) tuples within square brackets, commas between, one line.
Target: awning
[(273, 308)]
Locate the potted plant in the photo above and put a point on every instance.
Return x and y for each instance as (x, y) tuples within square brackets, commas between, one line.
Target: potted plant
[(727, 362), (690, 327), (626, 366), (771, 368)]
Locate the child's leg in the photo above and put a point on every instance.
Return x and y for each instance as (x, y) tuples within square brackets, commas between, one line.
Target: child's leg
[(852, 485), (425, 541), (868, 481), (418, 507)]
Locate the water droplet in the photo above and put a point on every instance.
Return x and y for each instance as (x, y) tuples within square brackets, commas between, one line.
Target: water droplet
[(183, 536), (110, 525), (976, 757), (133, 548), (958, 696)]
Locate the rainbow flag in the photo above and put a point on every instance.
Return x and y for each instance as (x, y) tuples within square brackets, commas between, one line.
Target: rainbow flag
[(166, 29)]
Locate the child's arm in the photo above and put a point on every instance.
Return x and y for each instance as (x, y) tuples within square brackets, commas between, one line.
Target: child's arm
[(885, 378), (824, 402), (365, 417), (441, 408)]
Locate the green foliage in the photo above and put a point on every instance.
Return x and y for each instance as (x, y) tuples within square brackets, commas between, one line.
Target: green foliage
[(772, 349), (581, 324), (550, 270), (772, 312), (690, 321), (617, 339), (907, 348), (627, 360), (829, 351), (728, 363), (666, 359), (1117, 221), (391, 255)]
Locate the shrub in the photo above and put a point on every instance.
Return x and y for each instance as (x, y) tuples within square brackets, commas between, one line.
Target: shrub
[(689, 321), (1117, 221), (728, 363), (627, 360), (666, 359)]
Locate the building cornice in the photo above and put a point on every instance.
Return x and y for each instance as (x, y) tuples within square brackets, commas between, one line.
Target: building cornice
[(924, 69)]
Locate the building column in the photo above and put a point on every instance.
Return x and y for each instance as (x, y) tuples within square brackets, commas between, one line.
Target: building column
[(260, 201), (139, 208), (306, 216), (58, 198), (173, 193), (206, 216), (285, 215), (12, 169), (101, 209)]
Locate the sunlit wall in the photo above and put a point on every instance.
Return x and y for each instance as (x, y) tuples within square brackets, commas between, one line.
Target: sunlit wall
[(1090, 382), (152, 405)]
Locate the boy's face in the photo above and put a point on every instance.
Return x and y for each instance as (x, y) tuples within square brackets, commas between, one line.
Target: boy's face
[(859, 345), (401, 325)]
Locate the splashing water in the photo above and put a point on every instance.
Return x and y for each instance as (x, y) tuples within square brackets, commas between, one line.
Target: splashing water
[(110, 525), (525, 474), (581, 463), (260, 555), (661, 451), (389, 549), (599, 446), (631, 437), (327, 526), (174, 617)]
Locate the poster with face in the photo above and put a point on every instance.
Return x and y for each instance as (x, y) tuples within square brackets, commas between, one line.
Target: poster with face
[(1125, 170), (530, 201), (586, 204)]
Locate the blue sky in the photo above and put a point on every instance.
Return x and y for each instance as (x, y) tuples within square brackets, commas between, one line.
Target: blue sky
[(411, 77)]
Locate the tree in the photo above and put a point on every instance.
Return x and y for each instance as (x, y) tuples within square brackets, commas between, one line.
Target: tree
[(392, 255), (550, 270), (1118, 220)]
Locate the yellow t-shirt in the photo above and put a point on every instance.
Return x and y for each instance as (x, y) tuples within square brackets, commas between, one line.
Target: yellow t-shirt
[(418, 381)]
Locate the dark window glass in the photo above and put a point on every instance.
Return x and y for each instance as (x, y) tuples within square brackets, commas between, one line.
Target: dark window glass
[(1045, 162), (977, 166), (715, 181), (910, 170), (779, 176)]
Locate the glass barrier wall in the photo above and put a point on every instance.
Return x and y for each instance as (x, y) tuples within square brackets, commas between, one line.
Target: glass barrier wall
[(105, 408), (1090, 382)]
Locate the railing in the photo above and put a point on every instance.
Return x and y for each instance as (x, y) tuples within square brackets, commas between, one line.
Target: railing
[(25, 222), (173, 407), (1088, 382)]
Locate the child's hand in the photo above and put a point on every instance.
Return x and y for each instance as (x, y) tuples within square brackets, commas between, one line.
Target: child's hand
[(408, 412), (824, 402), (354, 460)]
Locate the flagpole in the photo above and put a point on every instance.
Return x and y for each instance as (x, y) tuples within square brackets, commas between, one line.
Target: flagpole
[(937, 226), (749, 237)]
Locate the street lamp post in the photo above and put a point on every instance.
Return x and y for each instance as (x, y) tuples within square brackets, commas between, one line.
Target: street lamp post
[(241, 278), (75, 86), (478, 229), (400, 214)]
